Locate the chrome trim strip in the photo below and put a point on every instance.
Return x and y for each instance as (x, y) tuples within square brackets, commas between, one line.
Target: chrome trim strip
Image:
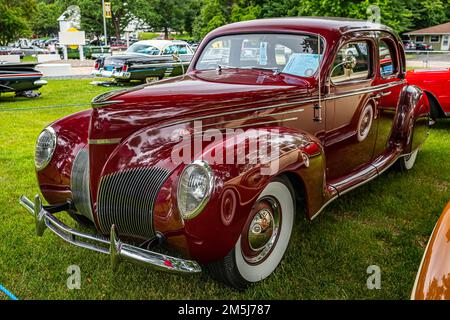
[(260, 123), (114, 247), (254, 117), (105, 141), (105, 103), (324, 206), (288, 104)]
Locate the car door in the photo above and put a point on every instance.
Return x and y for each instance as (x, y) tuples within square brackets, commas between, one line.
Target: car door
[(389, 86), (350, 122)]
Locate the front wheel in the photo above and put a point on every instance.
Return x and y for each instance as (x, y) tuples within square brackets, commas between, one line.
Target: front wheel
[(263, 240)]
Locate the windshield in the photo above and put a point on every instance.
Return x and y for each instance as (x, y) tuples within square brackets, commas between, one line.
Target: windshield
[(143, 48), (284, 53)]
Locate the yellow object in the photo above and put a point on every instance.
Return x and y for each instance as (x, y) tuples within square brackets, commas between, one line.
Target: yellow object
[(72, 29), (107, 10)]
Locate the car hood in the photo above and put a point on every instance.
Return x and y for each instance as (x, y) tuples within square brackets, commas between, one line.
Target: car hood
[(118, 113)]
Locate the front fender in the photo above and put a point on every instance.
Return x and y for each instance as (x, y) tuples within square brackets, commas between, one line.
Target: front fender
[(213, 233), (411, 124)]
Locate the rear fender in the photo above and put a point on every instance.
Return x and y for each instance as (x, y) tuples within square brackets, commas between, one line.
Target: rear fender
[(411, 123)]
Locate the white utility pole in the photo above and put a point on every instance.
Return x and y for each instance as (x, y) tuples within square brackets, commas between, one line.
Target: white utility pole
[(104, 22)]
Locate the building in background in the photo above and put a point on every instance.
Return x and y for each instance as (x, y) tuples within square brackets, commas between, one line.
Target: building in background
[(436, 36)]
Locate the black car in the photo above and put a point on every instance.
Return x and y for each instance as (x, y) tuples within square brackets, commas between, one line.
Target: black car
[(423, 47), (21, 78), (146, 61)]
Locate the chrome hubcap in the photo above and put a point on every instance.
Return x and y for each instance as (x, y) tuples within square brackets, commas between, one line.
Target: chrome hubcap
[(262, 231), (365, 123)]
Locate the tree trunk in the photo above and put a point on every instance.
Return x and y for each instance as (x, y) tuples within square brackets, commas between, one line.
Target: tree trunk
[(166, 32), (116, 25)]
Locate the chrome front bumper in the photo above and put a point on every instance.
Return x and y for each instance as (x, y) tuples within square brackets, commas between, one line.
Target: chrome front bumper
[(117, 250)]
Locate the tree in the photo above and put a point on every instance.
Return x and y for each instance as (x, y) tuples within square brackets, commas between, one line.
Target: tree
[(429, 12), (13, 20), (44, 22), (163, 15)]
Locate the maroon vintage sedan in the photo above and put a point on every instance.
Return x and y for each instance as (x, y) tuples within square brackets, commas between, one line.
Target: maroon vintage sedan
[(274, 117)]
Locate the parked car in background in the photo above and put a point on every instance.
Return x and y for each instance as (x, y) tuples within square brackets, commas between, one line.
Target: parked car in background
[(433, 278), (20, 78), (5, 50), (145, 61), (92, 50), (436, 84), (423, 46), (33, 50), (409, 45), (335, 121), (119, 45)]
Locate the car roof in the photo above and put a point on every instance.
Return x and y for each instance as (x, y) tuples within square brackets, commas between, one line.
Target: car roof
[(160, 44), (319, 25)]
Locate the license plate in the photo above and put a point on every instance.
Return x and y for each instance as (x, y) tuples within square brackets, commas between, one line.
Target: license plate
[(106, 73)]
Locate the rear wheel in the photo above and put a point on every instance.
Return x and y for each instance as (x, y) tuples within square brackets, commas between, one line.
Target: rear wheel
[(407, 162), (263, 240)]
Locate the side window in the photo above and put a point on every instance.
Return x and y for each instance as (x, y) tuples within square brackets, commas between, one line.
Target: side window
[(352, 62), (182, 49), (388, 62)]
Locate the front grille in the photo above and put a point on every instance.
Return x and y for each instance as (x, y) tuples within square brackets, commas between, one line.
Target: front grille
[(80, 184), (126, 199)]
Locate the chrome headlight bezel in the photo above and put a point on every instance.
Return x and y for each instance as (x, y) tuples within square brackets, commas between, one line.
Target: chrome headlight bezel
[(209, 186), (53, 138)]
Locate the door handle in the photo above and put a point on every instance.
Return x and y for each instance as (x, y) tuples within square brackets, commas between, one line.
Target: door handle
[(382, 94), (317, 112)]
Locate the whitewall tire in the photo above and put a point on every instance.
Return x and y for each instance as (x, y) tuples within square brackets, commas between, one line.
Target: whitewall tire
[(264, 238), (407, 162)]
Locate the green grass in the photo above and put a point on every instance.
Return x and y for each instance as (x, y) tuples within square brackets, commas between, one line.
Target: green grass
[(28, 59), (386, 222), (56, 93), (152, 35), (147, 35)]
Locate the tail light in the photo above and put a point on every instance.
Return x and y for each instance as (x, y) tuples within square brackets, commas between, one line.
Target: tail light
[(97, 65), (125, 68)]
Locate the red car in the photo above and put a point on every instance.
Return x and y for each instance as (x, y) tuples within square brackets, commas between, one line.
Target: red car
[(436, 84), (216, 163)]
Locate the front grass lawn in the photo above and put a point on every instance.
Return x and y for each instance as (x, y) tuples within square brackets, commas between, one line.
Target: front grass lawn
[(386, 223)]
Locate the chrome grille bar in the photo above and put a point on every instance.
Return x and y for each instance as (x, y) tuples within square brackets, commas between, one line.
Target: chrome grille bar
[(126, 199)]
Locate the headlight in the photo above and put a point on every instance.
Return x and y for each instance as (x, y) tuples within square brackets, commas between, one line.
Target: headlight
[(45, 146), (194, 189)]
